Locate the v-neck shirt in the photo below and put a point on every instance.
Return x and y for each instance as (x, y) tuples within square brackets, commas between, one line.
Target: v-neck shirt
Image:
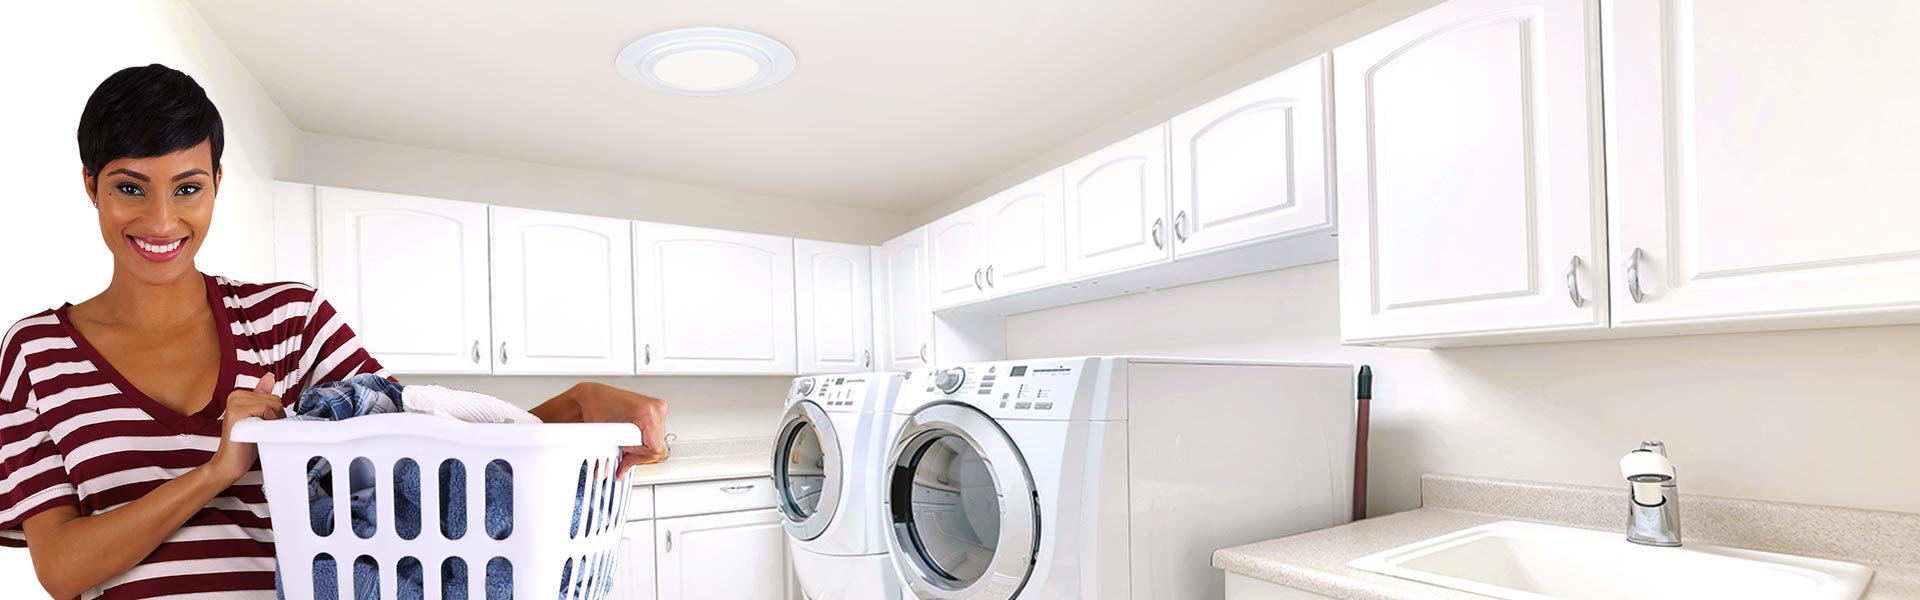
[(74, 432)]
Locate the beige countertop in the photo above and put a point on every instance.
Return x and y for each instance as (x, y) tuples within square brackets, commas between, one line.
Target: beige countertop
[(1317, 561), (709, 461)]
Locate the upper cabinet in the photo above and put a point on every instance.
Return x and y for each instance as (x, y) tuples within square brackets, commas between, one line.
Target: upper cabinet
[(562, 293), (956, 257), (833, 285), (1761, 162), (1469, 169), (1252, 165), (712, 301), (1116, 202), (410, 275), (1023, 242), (901, 310)]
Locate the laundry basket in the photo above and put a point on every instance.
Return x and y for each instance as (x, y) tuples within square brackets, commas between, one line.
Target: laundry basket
[(563, 520)]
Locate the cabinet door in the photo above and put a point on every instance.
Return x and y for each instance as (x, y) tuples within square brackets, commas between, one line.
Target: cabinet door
[(906, 322), (956, 261), (633, 576), (729, 556), (1761, 161), (833, 285), (712, 301), (1251, 166), (562, 293), (410, 276), (1116, 204), (1024, 244), (1468, 173)]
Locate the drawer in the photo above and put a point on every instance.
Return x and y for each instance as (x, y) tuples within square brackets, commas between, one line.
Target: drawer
[(727, 495), (640, 503)]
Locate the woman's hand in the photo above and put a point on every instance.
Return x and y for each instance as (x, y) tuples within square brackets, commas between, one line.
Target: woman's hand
[(599, 403), (233, 459)]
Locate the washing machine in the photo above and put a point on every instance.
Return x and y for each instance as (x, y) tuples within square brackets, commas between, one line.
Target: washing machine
[(827, 462), (1109, 478)]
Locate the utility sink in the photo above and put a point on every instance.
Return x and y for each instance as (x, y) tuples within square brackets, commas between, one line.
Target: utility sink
[(1530, 561)]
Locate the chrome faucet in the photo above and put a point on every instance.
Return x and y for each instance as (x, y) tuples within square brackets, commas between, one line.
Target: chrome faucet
[(1653, 505)]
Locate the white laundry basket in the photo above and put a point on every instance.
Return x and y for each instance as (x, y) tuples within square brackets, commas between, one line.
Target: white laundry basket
[(546, 554)]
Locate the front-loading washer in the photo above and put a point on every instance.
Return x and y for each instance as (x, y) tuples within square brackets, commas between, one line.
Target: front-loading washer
[(826, 472), (1109, 478)]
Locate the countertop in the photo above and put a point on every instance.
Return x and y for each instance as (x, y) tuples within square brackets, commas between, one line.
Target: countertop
[(1317, 561), (709, 461)]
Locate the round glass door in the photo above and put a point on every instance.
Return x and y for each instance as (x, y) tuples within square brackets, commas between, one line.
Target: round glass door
[(806, 469), (961, 506)]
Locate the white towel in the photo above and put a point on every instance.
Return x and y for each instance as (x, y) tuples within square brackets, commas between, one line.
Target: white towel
[(466, 406)]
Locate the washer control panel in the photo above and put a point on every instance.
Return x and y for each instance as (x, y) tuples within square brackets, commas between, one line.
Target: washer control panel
[(835, 391), (1033, 387)]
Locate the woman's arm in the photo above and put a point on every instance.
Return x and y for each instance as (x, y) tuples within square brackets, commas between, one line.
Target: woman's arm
[(72, 553), (600, 403)]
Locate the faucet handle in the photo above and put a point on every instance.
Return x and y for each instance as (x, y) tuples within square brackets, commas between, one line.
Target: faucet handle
[(1654, 446)]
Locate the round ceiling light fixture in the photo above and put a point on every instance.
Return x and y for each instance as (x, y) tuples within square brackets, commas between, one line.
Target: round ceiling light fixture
[(705, 61)]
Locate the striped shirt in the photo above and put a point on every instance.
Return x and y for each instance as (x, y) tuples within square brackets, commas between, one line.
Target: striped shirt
[(73, 432)]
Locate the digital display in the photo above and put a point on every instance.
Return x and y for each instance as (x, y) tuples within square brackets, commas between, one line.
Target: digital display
[(1018, 371)]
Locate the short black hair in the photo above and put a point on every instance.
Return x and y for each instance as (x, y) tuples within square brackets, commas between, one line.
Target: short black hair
[(142, 112)]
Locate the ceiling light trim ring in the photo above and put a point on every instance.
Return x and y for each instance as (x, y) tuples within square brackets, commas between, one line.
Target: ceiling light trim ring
[(638, 61)]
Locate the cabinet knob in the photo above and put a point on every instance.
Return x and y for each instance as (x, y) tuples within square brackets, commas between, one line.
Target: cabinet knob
[(976, 280), (866, 359), (1633, 277), (476, 352), (646, 353), (923, 354), (669, 540), (1573, 283), (989, 275), (1180, 226), (503, 353), (1159, 237)]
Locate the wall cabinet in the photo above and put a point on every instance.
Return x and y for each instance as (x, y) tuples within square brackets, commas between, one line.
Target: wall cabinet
[(713, 301), (1252, 165), (410, 275), (1760, 162), (1468, 169), (562, 293), (1024, 241), (957, 257), (833, 288), (905, 320), (726, 556), (1117, 202)]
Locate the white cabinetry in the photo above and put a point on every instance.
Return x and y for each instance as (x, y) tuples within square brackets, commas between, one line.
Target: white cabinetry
[(956, 257), (409, 274), (633, 575), (1116, 203), (1252, 165), (833, 285), (1761, 162), (562, 293), (1024, 245), (728, 556), (1469, 166), (905, 320), (712, 301)]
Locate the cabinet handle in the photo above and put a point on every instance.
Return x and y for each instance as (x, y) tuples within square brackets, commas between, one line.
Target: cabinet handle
[(669, 540), (476, 351), (646, 353), (503, 353), (1159, 237), (1180, 226), (923, 354), (1633, 277), (976, 280), (989, 275), (738, 489), (1573, 283), (866, 359)]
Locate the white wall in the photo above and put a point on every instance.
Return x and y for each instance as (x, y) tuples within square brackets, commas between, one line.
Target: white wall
[(1822, 417), (57, 52)]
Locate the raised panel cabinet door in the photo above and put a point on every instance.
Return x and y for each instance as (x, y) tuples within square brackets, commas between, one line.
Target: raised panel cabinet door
[(633, 575), (1761, 163), (1116, 203), (712, 301), (833, 287), (1025, 245), (956, 257), (1251, 166), (562, 293), (1469, 173), (728, 556), (906, 321), (410, 276)]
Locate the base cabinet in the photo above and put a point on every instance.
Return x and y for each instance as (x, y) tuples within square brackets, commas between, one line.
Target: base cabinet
[(1246, 588), (728, 556), (633, 576)]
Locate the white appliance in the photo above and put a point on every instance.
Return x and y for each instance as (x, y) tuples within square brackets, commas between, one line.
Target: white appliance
[(827, 463), (1109, 478)]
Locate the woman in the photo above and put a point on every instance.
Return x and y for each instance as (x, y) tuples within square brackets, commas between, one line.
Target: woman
[(116, 469)]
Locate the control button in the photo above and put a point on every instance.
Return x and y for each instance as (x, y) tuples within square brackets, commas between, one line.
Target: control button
[(949, 380), (806, 386), (1043, 406), (1022, 405)]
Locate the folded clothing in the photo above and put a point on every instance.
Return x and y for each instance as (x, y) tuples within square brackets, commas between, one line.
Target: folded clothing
[(463, 405)]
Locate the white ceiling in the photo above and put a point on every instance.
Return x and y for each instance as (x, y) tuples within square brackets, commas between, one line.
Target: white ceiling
[(895, 104)]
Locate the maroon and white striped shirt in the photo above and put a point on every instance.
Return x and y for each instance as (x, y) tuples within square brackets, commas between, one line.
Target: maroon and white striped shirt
[(74, 432)]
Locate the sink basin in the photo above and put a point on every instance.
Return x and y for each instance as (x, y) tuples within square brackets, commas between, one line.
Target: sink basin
[(1530, 561)]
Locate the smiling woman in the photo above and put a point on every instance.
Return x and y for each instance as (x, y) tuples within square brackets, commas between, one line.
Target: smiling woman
[(116, 469)]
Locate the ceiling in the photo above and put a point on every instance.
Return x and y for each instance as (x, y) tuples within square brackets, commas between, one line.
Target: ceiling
[(894, 106)]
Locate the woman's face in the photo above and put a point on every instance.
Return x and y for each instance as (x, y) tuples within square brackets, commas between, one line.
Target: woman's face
[(154, 212)]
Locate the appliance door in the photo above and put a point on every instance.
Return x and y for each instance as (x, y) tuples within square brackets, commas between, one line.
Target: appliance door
[(807, 473), (961, 505)]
